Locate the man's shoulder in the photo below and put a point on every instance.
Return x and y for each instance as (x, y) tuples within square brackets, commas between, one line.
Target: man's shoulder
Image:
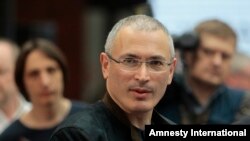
[(230, 95), (86, 123), (89, 115)]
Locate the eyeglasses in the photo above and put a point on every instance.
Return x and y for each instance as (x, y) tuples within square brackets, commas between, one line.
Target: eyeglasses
[(132, 64)]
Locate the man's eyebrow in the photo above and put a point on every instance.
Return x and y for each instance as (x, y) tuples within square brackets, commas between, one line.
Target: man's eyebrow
[(157, 57), (130, 55)]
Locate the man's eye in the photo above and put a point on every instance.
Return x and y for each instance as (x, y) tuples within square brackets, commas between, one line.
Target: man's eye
[(51, 70), (226, 56), (34, 74), (208, 52), (130, 61), (156, 63)]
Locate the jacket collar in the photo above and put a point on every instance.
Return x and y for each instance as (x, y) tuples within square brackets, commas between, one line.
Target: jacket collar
[(157, 118)]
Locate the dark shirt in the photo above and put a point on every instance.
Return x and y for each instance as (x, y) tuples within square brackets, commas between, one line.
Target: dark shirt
[(103, 121), (19, 132)]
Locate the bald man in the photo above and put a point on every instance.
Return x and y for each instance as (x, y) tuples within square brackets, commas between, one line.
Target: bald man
[(12, 104)]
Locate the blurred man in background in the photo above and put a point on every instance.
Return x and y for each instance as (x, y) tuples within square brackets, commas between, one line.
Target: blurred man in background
[(12, 103), (199, 95)]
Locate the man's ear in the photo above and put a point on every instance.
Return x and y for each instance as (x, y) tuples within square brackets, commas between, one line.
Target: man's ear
[(172, 70), (104, 64)]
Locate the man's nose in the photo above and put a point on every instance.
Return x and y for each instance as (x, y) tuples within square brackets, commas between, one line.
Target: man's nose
[(217, 59), (45, 78), (142, 73)]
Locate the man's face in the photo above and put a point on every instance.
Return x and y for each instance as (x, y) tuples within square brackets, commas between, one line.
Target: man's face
[(138, 90), (7, 83), (213, 59), (43, 79)]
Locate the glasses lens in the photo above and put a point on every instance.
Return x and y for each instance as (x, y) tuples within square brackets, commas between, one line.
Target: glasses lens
[(132, 64), (157, 65)]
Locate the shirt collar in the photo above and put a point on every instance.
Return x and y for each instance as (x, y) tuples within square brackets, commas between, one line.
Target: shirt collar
[(136, 134)]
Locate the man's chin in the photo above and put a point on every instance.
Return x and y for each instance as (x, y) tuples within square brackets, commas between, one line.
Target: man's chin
[(142, 108), (214, 82)]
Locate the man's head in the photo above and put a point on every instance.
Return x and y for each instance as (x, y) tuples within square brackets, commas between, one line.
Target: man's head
[(138, 63), (41, 71), (210, 63), (8, 55)]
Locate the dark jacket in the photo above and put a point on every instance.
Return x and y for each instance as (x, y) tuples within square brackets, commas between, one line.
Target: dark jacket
[(180, 106), (103, 121)]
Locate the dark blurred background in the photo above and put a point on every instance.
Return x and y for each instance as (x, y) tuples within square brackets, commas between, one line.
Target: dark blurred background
[(78, 27)]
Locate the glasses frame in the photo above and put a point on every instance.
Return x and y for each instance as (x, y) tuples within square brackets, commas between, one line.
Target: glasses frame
[(141, 62)]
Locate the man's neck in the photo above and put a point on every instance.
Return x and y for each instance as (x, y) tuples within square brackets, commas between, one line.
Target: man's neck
[(47, 116), (11, 106), (139, 120), (201, 90)]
